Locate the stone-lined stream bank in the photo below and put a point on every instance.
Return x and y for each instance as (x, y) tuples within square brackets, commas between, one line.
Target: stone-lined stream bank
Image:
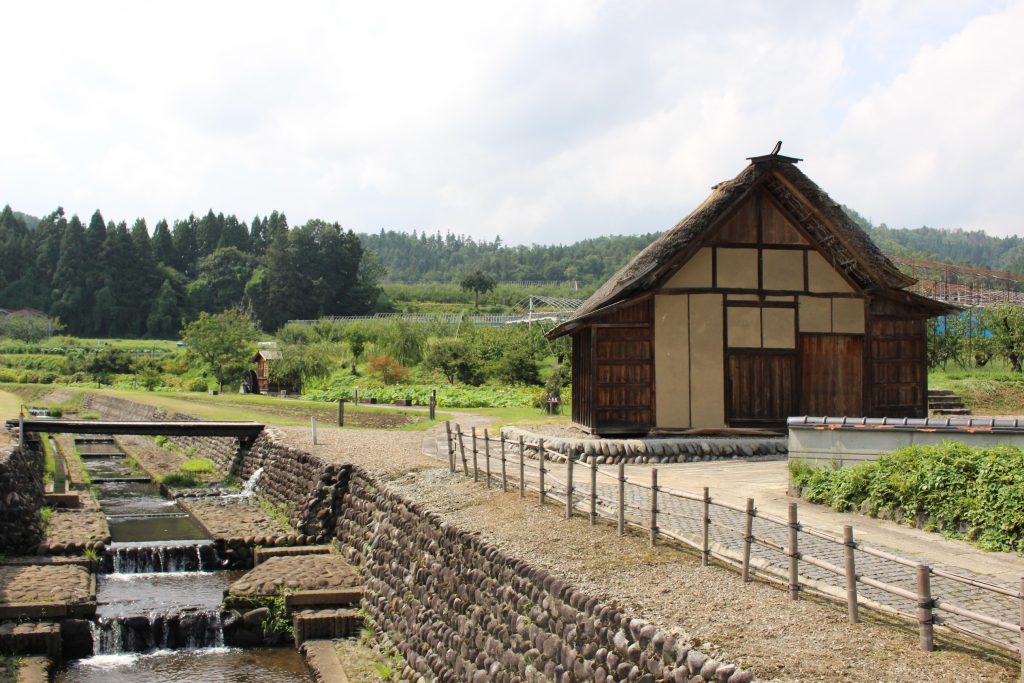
[(456, 607)]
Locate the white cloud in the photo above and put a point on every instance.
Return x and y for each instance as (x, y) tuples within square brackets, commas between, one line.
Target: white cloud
[(539, 121)]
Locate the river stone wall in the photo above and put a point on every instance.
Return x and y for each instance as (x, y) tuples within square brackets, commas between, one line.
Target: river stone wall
[(458, 608), (307, 488), (21, 497), (653, 450), (223, 451)]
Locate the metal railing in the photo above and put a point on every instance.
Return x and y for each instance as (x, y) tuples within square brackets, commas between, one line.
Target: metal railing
[(782, 551)]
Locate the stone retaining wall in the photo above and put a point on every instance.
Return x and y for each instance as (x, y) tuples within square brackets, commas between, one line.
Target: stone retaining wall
[(653, 450), (306, 487), (223, 451), (21, 498), (460, 609)]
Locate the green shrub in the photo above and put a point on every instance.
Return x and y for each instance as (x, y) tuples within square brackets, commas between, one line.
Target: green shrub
[(197, 466), (949, 487), (181, 480), (200, 384)]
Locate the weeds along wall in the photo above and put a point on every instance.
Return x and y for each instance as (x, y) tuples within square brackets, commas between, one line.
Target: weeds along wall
[(21, 496)]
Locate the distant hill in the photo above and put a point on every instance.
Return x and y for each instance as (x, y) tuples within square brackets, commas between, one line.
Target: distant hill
[(963, 247), (419, 257)]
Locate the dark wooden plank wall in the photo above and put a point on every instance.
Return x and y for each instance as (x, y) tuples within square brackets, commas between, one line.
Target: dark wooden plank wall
[(623, 367), (582, 379), (898, 357), (832, 374)]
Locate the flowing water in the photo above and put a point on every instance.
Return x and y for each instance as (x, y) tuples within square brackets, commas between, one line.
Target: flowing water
[(159, 592), (212, 665)]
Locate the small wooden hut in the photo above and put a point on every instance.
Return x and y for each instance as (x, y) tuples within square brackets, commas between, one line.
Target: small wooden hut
[(259, 382), (767, 301)]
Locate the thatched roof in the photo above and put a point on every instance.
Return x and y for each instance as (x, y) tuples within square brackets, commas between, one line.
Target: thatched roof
[(849, 247)]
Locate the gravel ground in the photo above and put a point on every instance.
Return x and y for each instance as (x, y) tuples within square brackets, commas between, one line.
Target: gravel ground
[(754, 625)]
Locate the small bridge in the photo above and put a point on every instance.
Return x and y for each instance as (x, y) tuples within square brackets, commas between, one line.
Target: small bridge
[(245, 431)]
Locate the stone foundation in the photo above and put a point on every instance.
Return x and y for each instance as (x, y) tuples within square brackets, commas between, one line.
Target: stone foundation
[(661, 450)]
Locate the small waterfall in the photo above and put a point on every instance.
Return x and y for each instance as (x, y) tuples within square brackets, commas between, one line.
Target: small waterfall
[(188, 630), (145, 559), (249, 488)]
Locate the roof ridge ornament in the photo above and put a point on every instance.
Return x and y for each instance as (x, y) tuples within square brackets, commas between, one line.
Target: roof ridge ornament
[(774, 156)]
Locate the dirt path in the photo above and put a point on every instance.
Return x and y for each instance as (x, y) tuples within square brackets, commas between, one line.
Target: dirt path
[(754, 625)]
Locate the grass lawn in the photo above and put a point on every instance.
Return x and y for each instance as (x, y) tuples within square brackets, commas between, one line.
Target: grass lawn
[(257, 408), (511, 416), (993, 390)]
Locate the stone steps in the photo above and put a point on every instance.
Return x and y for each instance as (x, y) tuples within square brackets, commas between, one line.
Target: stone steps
[(945, 402), (31, 638), (325, 623)]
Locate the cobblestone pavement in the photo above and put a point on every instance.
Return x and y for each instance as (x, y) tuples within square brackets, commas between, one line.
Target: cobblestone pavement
[(726, 535)]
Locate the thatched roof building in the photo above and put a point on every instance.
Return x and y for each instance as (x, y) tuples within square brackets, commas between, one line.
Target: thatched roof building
[(766, 301)]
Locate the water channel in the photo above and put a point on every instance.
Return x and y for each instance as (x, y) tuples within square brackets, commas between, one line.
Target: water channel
[(158, 615)]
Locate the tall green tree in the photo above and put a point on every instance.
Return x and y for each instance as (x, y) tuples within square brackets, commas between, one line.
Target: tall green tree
[(479, 283), (163, 244), (164, 318), (222, 343), (220, 280), (72, 302)]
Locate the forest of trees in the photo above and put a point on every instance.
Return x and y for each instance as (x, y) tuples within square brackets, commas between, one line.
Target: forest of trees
[(108, 280), (962, 247), (419, 257)]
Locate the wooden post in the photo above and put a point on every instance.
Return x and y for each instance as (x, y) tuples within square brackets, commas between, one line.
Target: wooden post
[(462, 449), (540, 453), (476, 468), (1021, 644), (748, 538), (450, 445), (487, 456), (522, 468), (794, 555), (593, 495), (504, 478), (622, 499), (568, 484), (654, 507), (341, 412), (705, 534), (433, 404), (924, 606), (355, 395), (851, 576), (312, 428)]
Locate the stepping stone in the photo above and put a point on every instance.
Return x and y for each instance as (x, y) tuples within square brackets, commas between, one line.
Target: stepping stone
[(325, 623), (304, 579), (263, 554)]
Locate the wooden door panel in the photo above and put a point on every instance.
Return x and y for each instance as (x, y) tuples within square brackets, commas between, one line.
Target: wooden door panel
[(762, 388), (832, 374)]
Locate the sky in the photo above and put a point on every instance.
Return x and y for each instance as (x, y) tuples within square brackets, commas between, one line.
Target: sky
[(536, 121)]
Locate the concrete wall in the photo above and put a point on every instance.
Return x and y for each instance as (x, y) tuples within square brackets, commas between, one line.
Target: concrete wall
[(847, 447)]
